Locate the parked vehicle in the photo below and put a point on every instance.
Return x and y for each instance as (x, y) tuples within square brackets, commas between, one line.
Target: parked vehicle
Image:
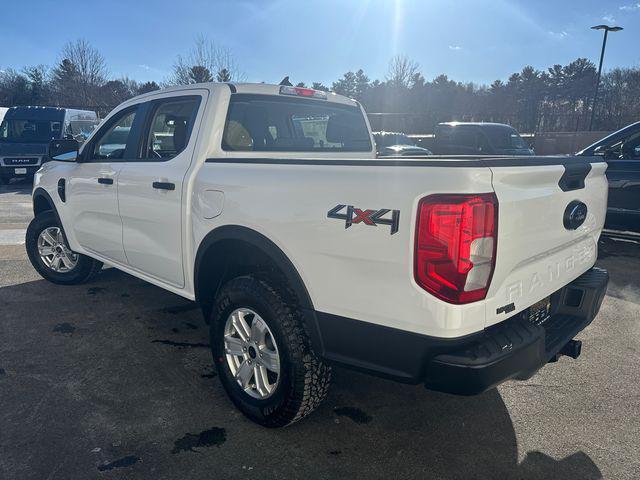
[(25, 134), (621, 150), (397, 144), (267, 205), (471, 138)]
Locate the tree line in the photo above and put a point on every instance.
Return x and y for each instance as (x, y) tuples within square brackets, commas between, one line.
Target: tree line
[(81, 78), (559, 98)]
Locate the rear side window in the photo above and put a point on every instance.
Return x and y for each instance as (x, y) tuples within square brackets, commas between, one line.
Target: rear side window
[(170, 128), (272, 123), (505, 138), (464, 136)]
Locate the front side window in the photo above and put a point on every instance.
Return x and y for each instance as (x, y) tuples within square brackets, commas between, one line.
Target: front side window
[(272, 123), (630, 148), (171, 125), (111, 144)]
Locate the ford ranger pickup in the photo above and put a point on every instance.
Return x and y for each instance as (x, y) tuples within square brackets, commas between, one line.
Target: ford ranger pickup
[(267, 205)]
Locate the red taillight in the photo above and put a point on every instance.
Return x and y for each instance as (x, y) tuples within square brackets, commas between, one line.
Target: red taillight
[(305, 92), (302, 92), (455, 245)]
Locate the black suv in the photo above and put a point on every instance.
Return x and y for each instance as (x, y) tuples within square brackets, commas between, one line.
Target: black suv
[(621, 150), (478, 138)]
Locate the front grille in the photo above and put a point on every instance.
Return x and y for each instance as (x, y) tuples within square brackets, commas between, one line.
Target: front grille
[(20, 161)]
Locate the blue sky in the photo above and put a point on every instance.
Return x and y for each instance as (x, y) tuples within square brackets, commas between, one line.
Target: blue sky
[(469, 40)]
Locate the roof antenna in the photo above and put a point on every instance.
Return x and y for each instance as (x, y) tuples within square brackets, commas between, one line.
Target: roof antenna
[(285, 81)]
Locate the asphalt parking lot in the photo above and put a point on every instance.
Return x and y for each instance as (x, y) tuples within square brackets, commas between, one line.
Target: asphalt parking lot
[(113, 380)]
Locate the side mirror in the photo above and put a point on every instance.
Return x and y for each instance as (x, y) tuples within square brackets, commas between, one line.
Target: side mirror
[(65, 150)]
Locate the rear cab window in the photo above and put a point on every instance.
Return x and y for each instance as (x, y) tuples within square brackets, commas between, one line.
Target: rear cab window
[(269, 123)]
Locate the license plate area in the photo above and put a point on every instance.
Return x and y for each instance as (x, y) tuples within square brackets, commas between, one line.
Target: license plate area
[(20, 171), (539, 312)]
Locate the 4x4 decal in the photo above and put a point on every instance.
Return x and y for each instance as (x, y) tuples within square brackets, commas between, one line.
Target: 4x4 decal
[(373, 218)]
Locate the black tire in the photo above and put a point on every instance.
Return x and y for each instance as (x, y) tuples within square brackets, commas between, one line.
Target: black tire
[(85, 268), (304, 379)]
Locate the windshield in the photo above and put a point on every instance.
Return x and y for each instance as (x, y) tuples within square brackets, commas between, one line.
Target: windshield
[(17, 130), (506, 138)]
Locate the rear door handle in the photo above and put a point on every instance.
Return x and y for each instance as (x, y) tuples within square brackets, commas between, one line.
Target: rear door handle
[(164, 185), (105, 181)]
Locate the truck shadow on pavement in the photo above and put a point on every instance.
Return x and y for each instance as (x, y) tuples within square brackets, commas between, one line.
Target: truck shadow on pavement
[(116, 376), (22, 187)]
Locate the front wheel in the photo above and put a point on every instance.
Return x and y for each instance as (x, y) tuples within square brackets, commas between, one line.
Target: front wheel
[(51, 256), (263, 354)]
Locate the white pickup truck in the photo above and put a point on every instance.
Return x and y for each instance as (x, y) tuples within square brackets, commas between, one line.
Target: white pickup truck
[(267, 205)]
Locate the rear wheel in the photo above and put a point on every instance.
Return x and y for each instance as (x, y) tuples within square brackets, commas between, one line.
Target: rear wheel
[(51, 256), (263, 354)]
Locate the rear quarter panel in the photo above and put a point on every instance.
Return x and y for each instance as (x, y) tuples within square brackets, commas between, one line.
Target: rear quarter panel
[(361, 272)]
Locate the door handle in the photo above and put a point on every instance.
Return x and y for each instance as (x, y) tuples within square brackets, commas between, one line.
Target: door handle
[(164, 185), (105, 181)]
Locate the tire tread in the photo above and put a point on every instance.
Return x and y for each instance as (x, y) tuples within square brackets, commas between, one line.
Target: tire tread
[(312, 376)]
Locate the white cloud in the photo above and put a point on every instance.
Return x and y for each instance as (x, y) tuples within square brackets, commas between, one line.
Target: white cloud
[(609, 18), (144, 67), (558, 35), (455, 47), (631, 7)]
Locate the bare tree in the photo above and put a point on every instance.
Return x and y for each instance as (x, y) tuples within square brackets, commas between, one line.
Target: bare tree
[(205, 58), (402, 71), (81, 72), (13, 88)]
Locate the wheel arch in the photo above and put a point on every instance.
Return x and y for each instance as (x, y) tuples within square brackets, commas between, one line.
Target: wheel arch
[(241, 239), (42, 202)]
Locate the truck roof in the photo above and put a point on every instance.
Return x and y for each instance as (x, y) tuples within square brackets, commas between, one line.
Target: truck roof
[(37, 112), (252, 88)]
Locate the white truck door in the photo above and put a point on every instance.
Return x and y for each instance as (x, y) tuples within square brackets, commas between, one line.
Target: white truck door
[(92, 188), (150, 189)]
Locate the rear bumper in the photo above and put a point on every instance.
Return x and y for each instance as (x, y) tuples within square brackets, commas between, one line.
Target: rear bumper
[(515, 348)]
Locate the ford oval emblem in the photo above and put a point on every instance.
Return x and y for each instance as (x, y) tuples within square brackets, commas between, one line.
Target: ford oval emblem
[(574, 215)]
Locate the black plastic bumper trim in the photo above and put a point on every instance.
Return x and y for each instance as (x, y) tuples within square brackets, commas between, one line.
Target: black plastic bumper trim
[(514, 348)]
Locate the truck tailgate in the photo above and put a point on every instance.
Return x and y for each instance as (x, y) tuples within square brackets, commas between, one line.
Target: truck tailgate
[(538, 251)]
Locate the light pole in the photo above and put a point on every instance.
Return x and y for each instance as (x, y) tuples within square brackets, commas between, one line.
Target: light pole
[(606, 29)]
